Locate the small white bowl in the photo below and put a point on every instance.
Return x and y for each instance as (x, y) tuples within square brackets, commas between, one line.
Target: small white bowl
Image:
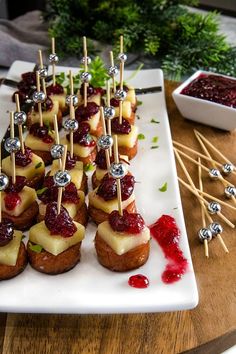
[(202, 111)]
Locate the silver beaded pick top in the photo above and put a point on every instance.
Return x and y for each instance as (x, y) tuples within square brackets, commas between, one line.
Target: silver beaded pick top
[(215, 228), (85, 77), (57, 151), (230, 192), (105, 141), (122, 57), (214, 208), (205, 234), (227, 168), (20, 118), (39, 97), (75, 100), (84, 59), (120, 95), (62, 178), (113, 71), (53, 58), (71, 125), (4, 181), (12, 144), (214, 173), (109, 112), (118, 170), (43, 73)]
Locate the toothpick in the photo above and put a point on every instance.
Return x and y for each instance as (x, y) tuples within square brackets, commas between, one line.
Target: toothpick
[(60, 189), (113, 78), (19, 125), (13, 164), (0, 172), (108, 104), (39, 104), (41, 67), (121, 87), (71, 83), (53, 64), (85, 69), (105, 133), (206, 249), (57, 139), (116, 158), (72, 116)]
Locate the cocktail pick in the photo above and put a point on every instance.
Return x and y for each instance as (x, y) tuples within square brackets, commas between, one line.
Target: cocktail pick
[(113, 71), (57, 148), (20, 118), (74, 97), (61, 178), (121, 94), (85, 76), (109, 112), (39, 97), (43, 73), (4, 181), (117, 171), (53, 59), (105, 141)]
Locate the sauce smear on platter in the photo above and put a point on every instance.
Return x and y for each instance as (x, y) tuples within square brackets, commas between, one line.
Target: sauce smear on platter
[(139, 281)]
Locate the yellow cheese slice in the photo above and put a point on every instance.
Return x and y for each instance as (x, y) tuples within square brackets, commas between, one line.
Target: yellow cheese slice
[(48, 116), (131, 95), (27, 195), (9, 253), (61, 99), (120, 242), (126, 110), (55, 244), (36, 167), (76, 172), (79, 150), (107, 206), (128, 140), (37, 144), (94, 98)]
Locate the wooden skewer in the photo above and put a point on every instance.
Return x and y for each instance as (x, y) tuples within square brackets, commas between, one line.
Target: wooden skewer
[(105, 132), (108, 104), (39, 104), (13, 164), (113, 79), (116, 158), (85, 69), (41, 67), (212, 147), (71, 83), (53, 65), (121, 78), (20, 126), (72, 115), (206, 248), (60, 189), (57, 138), (0, 172)]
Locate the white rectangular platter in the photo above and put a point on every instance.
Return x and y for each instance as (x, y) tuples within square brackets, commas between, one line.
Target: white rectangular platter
[(90, 288)]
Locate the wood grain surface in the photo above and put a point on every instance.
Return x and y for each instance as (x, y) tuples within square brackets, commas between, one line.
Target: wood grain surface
[(210, 328)]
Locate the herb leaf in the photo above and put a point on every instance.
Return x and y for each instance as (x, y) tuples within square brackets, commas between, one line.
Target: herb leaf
[(139, 103), (163, 188), (41, 191), (155, 147), (155, 121), (141, 136), (35, 248), (89, 167), (38, 165), (155, 139)]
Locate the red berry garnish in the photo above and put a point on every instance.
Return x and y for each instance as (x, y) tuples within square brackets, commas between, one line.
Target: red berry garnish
[(11, 200), (116, 127), (59, 224), (108, 188), (131, 223), (23, 159), (41, 133), (139, 281), (85, 113), (6, 232), (55, 89)]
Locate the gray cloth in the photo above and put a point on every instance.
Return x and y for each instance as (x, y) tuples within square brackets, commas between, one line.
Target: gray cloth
[(21, 38)]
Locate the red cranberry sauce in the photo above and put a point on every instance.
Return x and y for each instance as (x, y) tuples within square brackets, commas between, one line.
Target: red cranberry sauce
[(108, 188), (29, 78), (59, 224), (83, 113), (91, 91), (50, 192), (130, 223), (26, 86), (213, 88), (81, 136), (114, 102), (46, 106), (116, 127), (41, 133), (12, 198), (139, 281), (6, 232), (101, 161), (70, 162), (23, 159), (125, 88), (167, 234), (56, 89)]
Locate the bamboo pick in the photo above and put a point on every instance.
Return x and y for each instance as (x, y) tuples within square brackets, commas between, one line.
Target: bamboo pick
[(0, 172), (60, 189), (108, 104), (85, 69), (71, 83), (198, 154), (57, 138), (116, 158), (113, 78), (72, 116), (13, 164), (19, 125), (53, 64), (206, 248), (212, 147), (41, 67), (39, 104), (105, 132), (222, 180), (121, 78)]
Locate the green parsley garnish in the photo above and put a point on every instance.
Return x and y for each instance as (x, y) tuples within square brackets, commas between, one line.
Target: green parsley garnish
[(155, 139), (35, 248), (175, 208), (141, 136), (155, 147), (139, 103), (163, 188), (155, 121), (38, 165), (89, 167), (41, 191)]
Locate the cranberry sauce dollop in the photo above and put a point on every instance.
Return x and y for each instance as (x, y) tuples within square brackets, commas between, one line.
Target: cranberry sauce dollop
[(130, 223), (49, 192), (85, 113), (29, 78), (167, 234), (108, 189), (26, 87), (139, 281), (6, 232), (46, 106), (59, 224), (101, 161), (23, 159), (41, 133), (81, 136), (17, 187), (91, 90), (114, 102), (70, 161), (213, 88), (116, 127), (56, 89)]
